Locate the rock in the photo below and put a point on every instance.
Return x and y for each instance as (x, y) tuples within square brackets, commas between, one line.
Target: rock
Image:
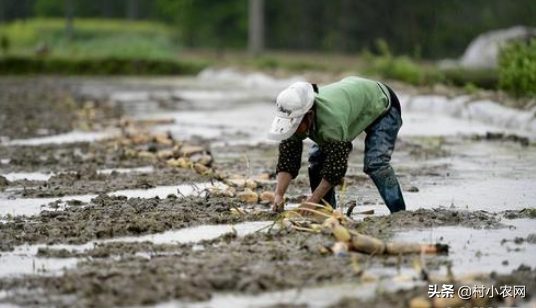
[(3, 181), (531, 238), (484, 50), (248, 196), (412, 189)]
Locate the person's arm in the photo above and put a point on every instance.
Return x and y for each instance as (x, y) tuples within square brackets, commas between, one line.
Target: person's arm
[(283, 181), (320, 191), (288, 167), (333, 169)]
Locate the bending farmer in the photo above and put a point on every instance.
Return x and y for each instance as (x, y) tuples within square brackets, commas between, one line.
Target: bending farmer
[(333, 116)]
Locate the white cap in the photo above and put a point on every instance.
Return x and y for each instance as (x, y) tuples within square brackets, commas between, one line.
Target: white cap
[(291, 105)]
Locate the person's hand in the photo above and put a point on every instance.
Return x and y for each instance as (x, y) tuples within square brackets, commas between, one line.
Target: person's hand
[(279, 204), (307, 205)]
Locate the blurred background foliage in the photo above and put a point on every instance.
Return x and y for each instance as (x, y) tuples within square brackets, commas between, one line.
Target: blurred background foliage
[(429, 29), (390, 39)]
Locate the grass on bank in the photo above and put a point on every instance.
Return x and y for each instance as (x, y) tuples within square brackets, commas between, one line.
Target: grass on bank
[(96, 47), (91, 38)]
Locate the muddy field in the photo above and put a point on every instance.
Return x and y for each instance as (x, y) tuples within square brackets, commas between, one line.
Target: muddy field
[(137, 192)]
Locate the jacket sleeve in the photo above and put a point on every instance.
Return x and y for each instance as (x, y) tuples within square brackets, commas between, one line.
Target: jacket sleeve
[(336, 161), (289, 160)]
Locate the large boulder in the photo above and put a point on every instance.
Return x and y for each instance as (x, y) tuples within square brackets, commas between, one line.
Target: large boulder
[(484, 50)]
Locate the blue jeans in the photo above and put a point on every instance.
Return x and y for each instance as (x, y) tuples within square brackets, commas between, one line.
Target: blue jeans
[(379, 146)]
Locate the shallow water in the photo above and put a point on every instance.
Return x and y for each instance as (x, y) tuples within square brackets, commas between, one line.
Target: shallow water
[(32, 206), (480, 251), (195, 234), (23, 260), (146, 169), (232, 109), (72, 137), (164, 191), (40, 176), (30, 176), (321, 296)]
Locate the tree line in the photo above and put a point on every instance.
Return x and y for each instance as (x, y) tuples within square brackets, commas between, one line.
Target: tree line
[(419, 28)]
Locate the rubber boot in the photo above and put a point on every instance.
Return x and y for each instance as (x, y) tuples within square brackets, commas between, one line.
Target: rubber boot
[(314, 181), (387, 184)]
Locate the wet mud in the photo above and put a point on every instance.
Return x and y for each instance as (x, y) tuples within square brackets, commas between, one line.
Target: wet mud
[(89, 181), (109, 216), (39, 107), (384, 226), (523, 276), (146, 273), (257, 263)]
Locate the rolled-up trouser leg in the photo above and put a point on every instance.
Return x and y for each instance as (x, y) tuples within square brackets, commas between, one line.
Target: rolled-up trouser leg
[(379, 146), (316, 161)]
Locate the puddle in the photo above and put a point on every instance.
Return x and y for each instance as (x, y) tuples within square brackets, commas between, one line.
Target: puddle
[(72, 137), (313, 297), (424, 124), (492, 195), (39, 176), (23, 260), (164, 191), (146, 169), (32, 206), (248, 121), (194, 234), (18, 265), (30, 176), (480, 250)]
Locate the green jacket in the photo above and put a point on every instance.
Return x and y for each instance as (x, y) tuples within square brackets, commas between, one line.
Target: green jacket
[(346, 108), (342, 111)]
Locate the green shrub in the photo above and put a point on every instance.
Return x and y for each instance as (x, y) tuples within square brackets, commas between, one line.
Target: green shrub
[(397, 67), (517, 68), (92, 66), (288, 64), (481, 78), (5, 44), (92, 38)]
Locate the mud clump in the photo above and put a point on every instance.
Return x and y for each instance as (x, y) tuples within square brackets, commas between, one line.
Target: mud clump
[(383, 226), (524, 213), (89, 181), (113, 249), (3, 182), (502, 137), (107, 217)]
